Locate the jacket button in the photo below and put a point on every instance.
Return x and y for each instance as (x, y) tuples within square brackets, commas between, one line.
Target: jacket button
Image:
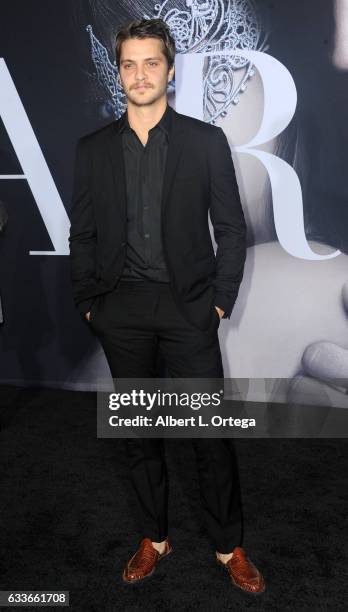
[(123, 244)]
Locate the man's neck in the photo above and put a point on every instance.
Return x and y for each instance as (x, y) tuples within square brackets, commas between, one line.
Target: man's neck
[(142, 118)]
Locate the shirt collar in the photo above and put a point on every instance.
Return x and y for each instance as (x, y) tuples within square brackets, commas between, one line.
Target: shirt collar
[(164, 123)]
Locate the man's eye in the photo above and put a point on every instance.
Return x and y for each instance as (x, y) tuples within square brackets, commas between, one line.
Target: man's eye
[(127, 65), (153, 63)]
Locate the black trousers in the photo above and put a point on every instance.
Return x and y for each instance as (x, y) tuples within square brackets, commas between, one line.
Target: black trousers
[(136, 323)]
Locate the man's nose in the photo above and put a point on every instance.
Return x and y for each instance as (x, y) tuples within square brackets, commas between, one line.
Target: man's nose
[(140, 73)]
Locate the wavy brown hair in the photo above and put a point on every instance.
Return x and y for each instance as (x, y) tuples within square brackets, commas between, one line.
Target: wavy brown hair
[(147, 28)]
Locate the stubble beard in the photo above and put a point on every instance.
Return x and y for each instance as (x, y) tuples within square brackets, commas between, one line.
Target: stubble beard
[(148, 98)]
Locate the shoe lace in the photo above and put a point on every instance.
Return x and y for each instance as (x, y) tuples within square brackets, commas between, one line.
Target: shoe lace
[(144, 557), (241, 565)]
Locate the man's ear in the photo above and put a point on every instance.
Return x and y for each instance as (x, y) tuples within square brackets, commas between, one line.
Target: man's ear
[(171, 74)]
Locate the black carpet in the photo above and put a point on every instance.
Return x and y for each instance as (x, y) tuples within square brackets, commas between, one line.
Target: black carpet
[(68, 522)]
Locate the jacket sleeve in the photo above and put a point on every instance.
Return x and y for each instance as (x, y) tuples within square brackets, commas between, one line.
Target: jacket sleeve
[(228, 222), (83, 234)]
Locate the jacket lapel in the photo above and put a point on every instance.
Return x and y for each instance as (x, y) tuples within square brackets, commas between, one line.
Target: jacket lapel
[(115, 154), (175, 148)]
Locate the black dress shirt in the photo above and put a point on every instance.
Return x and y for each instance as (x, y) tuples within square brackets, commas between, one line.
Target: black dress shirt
[(144, 168)]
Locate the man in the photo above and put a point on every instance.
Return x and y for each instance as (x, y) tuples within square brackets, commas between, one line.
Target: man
[(145, 276)]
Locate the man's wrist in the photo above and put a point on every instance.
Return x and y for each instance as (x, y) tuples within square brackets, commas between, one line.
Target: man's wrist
[(225, 301)]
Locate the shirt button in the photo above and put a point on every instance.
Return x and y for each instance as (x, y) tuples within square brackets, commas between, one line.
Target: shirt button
[(146, 207), (146, 235)]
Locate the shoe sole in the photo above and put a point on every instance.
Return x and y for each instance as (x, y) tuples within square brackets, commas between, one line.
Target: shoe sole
[(237, 585), (138, 580)]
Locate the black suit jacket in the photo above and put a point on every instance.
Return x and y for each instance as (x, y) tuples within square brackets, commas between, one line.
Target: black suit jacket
[(199, 178)]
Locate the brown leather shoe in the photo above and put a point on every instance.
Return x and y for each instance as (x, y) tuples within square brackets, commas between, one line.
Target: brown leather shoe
[(143, 563), (243, 572)]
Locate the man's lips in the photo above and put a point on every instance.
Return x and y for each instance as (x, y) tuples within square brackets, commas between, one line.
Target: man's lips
[(141, 87)]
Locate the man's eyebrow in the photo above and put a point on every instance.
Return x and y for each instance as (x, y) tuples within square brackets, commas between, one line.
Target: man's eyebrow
[(145, 60)]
